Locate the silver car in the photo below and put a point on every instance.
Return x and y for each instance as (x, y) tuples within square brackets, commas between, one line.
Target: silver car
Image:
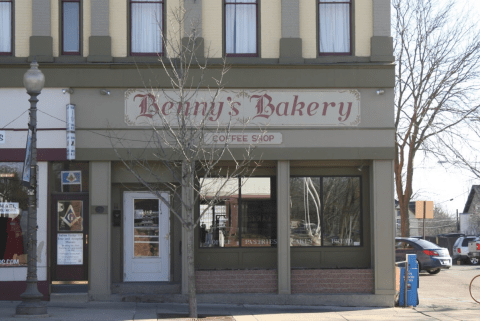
[(460, 250)]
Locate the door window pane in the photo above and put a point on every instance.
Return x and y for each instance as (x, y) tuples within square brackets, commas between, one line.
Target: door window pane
[(70, 215), (146, 230)]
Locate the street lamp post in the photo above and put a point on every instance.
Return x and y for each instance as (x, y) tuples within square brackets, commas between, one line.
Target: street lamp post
[(31, 304)]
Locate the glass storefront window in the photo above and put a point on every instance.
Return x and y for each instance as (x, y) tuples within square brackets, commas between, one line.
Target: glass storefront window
[(13, 215), (243, 215), (325, 211)]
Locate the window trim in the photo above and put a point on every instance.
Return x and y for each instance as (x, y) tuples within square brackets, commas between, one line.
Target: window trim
[(362, 240), (130, 36), (62, 29), (12, 28), (224, 28), (352, 34)]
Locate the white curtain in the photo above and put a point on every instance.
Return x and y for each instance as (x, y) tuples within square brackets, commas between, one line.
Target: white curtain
[(5, 26), (147, 22), (334, 30), (241, 27), (71, 26)]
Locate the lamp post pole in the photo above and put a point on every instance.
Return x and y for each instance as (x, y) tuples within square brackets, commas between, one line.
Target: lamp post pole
[(31, 304)]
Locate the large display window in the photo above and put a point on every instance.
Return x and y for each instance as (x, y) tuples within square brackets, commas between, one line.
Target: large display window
[(13, 215), (325, 211), (240, 212)]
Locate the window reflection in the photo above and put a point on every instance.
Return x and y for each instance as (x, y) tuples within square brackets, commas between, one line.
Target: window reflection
[(244, 213), (341, 211), (13, 215), (325, 211)]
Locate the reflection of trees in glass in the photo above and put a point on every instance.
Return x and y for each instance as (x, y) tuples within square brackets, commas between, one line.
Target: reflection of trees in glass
[(11, 189), (341, 197), (305, 210)]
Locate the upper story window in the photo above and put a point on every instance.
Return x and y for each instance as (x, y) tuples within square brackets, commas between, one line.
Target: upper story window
[(146, 27), (241, 27), (5, 27), (71, 27), (334, 31)]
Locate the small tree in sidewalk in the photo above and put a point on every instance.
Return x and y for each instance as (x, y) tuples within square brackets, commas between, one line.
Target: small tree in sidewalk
[(181, 136)]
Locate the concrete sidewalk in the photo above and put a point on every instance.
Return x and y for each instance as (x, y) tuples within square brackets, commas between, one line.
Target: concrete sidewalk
[(120, 311)]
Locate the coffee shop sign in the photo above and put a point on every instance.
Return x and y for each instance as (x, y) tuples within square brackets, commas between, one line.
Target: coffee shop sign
[(244, 108)]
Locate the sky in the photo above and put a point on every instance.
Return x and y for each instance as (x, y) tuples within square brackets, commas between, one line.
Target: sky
[(440, 182)]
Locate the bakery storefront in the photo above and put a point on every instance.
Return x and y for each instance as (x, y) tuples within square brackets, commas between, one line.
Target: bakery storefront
[(302, 226)]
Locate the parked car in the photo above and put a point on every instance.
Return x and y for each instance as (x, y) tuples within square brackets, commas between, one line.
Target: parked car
[(460, 250), (431, 257)]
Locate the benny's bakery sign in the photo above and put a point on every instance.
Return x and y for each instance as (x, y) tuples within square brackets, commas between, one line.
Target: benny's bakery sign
[(243, 108)]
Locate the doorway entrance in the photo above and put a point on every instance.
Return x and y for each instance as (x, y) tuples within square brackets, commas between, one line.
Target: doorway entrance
[(69, 223), (146, 237)]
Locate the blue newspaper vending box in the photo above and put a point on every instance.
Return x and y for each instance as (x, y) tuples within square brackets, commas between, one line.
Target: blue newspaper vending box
[(412, 282)]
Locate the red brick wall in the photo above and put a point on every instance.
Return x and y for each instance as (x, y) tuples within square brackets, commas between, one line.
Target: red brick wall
[(237, 281), (332, 281)]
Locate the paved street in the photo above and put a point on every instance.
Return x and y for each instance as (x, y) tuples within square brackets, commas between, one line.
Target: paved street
[(449, 288)]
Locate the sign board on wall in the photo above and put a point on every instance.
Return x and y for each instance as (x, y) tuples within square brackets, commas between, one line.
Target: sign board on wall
[(70, 249), (245, 108), (9, 209), (259, 138)]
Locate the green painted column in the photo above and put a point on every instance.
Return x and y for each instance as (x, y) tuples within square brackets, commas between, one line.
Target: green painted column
[(283, 227), (99, 242)]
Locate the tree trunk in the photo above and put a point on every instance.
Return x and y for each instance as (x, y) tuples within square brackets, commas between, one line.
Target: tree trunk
[(188, 172), (192, 289)]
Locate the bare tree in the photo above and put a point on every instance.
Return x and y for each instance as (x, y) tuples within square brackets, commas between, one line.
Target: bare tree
[(182, 139), (441, 223), (437, 49)]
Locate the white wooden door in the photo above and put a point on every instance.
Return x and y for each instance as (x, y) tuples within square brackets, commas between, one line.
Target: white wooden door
[(146, 237)]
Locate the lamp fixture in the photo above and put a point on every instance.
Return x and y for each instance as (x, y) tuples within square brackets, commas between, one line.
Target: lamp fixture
[(105, 92), (380, 92), (67, 90)]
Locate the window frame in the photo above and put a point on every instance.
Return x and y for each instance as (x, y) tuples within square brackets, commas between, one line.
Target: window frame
[(162, 32), (257, 20), (322, 228), (351, 42), (12, 28), (62, 29)]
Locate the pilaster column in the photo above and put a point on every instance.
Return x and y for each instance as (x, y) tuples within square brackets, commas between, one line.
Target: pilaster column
[(381, 42), (383, 226), (291, 43), (99, 242), (283, 227), (100, 42), (41, 41)]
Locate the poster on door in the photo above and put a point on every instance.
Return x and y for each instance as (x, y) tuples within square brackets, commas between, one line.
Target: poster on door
[(70, 249), (70, 216)]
